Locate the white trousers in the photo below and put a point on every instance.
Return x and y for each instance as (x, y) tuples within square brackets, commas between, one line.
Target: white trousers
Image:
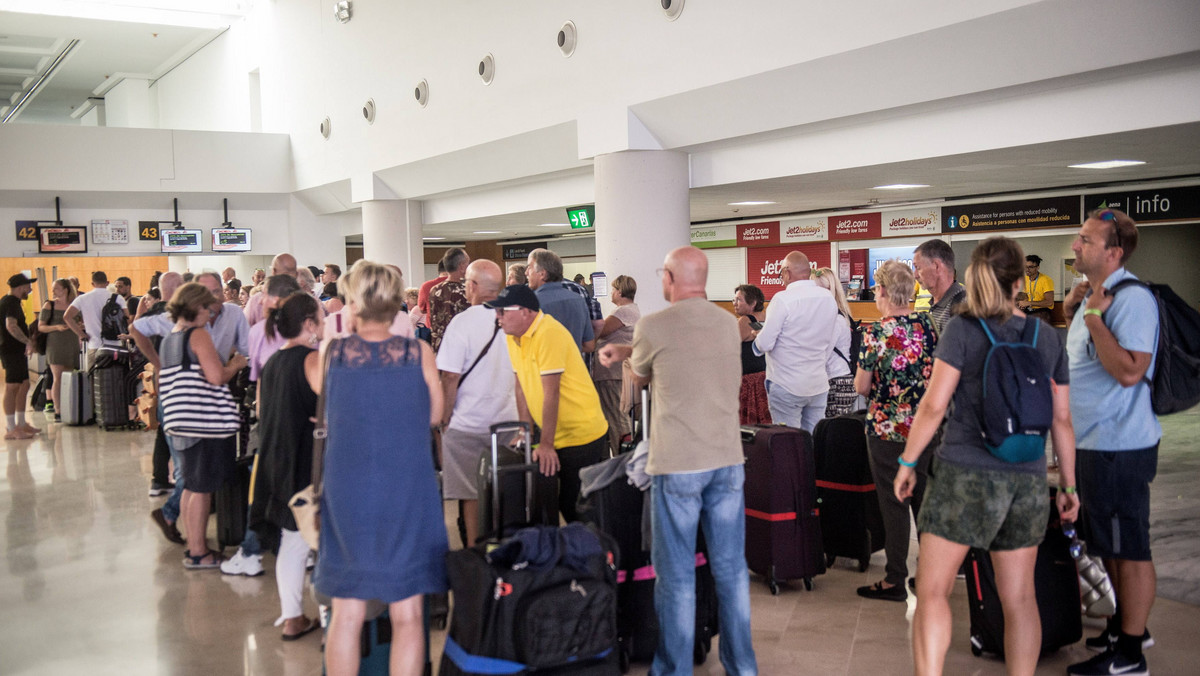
[(289, 573)]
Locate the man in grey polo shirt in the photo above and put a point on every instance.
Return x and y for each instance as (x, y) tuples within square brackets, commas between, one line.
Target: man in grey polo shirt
[(1111, 351), (933, 266), (545, 274)]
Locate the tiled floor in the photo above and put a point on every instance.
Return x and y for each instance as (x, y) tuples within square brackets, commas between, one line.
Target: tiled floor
[(89, 586)]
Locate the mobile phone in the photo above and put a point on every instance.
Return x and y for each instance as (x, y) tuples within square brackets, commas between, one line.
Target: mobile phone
[(757, 326)]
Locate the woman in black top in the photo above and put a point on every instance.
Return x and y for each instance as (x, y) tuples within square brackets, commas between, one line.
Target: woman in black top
[(287, 404), (748, 299)]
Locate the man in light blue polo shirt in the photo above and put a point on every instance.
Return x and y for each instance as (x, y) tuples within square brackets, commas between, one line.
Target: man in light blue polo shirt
[(545, 274), (1110, 348)]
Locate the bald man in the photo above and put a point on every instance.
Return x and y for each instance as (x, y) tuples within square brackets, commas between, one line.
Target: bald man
[(281, 264), (797, 339), (473, 346), (695, 463)]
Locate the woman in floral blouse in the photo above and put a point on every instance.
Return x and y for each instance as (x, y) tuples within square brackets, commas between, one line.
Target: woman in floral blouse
[(894, 366)]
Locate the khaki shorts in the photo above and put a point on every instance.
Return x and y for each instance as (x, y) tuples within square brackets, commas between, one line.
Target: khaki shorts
[(988, 509)]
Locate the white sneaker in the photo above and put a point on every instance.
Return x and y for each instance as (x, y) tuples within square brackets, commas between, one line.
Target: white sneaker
[(311, 561), (243, 564)]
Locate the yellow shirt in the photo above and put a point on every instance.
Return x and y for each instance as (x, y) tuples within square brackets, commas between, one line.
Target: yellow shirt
[(548, 348), (1036, 290), (923, 299)]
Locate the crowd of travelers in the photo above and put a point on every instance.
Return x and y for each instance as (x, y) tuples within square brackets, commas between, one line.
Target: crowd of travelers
[(388, 373)]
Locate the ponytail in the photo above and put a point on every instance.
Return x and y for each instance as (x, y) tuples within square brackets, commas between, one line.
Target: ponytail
[(289, 317), (996, 266)]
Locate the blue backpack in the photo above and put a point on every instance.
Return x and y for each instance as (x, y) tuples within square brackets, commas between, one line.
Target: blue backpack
[(1017, 400)]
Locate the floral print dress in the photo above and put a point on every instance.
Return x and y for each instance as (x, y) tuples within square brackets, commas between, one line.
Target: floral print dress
[(899, 352)]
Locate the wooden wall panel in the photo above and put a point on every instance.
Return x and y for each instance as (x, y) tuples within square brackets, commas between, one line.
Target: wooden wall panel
[(139, 269)]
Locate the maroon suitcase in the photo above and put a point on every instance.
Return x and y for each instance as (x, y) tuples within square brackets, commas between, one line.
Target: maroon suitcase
[(783, 524)]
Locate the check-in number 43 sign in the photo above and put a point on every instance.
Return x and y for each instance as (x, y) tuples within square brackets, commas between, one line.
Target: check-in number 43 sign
[(148, 231)]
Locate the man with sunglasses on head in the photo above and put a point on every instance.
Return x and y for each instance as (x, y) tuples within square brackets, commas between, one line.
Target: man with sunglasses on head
[(1111, 352)]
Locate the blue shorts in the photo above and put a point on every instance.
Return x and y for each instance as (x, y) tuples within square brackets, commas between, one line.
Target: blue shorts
[(1114, 490)]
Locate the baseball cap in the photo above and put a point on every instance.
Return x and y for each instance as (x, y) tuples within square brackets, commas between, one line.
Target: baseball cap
[(517, 295), (20, 279)]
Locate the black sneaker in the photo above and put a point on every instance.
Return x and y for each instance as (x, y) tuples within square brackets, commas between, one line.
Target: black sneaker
[(878, 591), (157, 489), (1106, 641), (1108, 663)]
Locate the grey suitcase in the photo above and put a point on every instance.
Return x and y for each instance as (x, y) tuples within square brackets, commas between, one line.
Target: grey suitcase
[(76, 395)]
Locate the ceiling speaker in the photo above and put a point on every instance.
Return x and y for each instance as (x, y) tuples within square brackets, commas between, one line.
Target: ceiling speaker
[(567, 38), (368, 111), (672, 8), (421, 93), (325, 127), (487, 69)]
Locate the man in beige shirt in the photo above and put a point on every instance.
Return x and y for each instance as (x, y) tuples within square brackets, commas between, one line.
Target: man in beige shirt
[(695, 461)]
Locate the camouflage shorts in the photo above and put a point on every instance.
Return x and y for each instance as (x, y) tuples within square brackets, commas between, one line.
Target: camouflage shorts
[(988, 509)]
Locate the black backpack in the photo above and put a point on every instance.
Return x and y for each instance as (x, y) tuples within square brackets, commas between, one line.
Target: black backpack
[(855, 345), (1017, 400), (1175, 383), (113, 322)]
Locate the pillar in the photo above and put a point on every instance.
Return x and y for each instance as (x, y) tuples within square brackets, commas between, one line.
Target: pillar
[(642, 213), (392, 234)]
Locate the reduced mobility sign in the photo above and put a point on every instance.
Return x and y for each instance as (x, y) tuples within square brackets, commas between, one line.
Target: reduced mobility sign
[(1045, 212)]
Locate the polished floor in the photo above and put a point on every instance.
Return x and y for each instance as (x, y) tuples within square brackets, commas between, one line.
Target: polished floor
[(89, 586)]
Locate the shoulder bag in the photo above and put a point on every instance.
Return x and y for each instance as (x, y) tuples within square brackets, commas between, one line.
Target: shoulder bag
[(192, 406), (306, 504)]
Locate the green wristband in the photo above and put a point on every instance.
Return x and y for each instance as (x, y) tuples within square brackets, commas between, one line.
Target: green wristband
[(900, 459), (1069, 490), (1093, 311)]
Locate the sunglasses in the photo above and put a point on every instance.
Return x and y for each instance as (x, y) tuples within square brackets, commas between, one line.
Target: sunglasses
[(1111, 216)]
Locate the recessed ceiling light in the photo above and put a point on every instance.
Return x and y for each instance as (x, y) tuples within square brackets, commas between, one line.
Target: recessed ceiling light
[(1108, 164), (751, 203), (433, 239), (900, 186), (487, 232), (553, 225)]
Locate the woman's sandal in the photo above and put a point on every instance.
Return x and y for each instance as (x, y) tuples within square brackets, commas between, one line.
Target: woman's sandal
[(197, 562), (313, 625)]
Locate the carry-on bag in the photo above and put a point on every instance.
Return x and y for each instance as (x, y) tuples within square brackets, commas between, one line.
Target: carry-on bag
[(851, 525), (525, 496), (1057, 591), (110, 390), (76, 395), (232, 504), (783, 523)]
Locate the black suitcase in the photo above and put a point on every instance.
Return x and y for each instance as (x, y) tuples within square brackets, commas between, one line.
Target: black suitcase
[(232, 503), (1057, 589), (783, 523), (110, 390), (617, 510), (515, 471), (851, 525)]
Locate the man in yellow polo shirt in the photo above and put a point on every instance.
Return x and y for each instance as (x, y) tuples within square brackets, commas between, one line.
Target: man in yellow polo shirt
[(553, 391), (1038, 297)]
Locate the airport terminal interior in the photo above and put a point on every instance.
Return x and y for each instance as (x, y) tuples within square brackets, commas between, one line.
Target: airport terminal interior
[(190, 135)]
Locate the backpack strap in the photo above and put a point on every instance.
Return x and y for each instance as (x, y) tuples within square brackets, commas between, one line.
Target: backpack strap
[(1029, 334), (986, 330)]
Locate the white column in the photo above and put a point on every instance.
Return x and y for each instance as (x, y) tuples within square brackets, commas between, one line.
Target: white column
[(642, 214), (392, 234)]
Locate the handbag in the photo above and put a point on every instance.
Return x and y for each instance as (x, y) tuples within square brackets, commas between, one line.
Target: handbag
[(192, 406), (1096, 592), (306, 504)]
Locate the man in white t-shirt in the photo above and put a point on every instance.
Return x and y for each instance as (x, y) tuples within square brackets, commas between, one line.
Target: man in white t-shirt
[(84, 315), (478, 386)]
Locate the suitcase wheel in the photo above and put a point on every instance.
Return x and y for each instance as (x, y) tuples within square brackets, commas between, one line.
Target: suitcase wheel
[(808, 584), (975, 650), (864, 564), (829, 559), (774, 587)]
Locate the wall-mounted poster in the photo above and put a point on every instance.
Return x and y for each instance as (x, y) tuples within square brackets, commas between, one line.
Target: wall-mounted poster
[(107, 231), (764, 264), (62, 239)]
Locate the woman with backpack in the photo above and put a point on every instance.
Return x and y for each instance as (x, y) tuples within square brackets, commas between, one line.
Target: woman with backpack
[(839, 365), (975, 497), (894, 364)]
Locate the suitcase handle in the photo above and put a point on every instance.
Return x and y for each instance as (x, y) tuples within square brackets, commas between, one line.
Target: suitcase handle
[(496, 430)]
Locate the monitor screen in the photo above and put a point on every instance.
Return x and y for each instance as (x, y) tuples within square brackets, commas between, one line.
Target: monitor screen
[(231, 239), (180, 241), (62, 239), (878, 255)]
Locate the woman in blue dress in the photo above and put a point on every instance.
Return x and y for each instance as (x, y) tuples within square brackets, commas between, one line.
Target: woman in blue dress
[(382, 531)]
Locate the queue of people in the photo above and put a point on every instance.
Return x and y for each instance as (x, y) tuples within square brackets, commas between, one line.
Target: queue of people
[(525, 343)]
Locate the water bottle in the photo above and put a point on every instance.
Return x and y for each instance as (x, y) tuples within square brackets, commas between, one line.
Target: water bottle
[(1095, 589)]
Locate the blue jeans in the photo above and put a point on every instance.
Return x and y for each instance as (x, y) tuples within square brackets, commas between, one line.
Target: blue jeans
[(799, 412), (679, 504), (170, 508)]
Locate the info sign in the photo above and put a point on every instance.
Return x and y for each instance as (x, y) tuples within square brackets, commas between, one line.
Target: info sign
[(1045, 212)]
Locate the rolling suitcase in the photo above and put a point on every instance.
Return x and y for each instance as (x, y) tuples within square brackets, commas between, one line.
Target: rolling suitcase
[(76, 395), (1057, 588), (783, 523), (110, 390), (517, 475), (232, 504), (851, 524)]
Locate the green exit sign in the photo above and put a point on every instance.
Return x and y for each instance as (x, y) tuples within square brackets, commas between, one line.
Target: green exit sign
[(582, 217)]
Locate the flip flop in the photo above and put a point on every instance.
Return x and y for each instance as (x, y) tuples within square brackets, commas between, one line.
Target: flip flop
[(313, 625)]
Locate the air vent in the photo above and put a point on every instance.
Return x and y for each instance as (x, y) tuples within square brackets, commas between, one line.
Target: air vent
[(672, 8), (325, 127), (487, 69), (368, 111), (422, 93)]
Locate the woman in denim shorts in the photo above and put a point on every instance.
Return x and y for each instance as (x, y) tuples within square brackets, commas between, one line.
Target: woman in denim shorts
[(973, 498)]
